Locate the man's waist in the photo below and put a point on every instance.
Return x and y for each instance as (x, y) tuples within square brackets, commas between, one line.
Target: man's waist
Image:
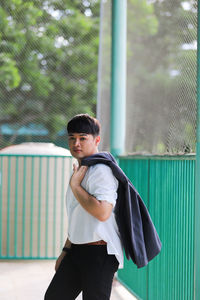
[(101, 242)]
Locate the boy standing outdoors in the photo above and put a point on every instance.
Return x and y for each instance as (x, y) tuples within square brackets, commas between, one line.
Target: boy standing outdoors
[(93, 251)]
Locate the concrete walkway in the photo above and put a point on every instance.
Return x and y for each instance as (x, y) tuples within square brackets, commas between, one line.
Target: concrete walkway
[(29, 279)]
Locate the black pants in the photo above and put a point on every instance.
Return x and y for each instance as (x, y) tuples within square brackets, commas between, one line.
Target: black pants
[(86, 268)]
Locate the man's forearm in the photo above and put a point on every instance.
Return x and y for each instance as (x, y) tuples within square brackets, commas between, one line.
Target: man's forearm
[(99, 209)]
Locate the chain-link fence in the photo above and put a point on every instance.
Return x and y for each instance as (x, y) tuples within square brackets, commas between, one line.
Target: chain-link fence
[(161, 76), (48, 67), (48, 71)]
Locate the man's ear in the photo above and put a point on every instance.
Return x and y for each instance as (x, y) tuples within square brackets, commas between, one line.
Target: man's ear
[(97, 140)]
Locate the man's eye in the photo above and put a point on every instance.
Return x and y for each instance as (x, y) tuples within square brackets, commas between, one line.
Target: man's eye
[(82, 139)]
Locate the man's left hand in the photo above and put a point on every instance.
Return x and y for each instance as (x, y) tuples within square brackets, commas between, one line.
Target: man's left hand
[(78, 175)]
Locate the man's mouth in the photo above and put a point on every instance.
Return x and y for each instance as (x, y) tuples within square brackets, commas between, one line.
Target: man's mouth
[(77, 150)]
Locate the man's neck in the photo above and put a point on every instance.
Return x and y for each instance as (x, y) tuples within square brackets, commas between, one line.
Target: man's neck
[(79, 160)]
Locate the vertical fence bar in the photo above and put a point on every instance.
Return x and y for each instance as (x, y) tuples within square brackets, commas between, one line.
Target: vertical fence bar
[(24, 210), (148, 205), (62, 199), (54, 207), (8, 207), (39, 206), (16, 203), (47, 208), (1, 203), (32, 200), (197, 181), (192, 235), (118, 77)]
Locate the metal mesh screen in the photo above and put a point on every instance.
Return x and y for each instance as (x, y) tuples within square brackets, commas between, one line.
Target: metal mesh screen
[(48, 67), (161, 76)]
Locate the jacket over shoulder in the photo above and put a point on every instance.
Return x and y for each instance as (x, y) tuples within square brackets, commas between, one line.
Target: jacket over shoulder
[(138, 234)]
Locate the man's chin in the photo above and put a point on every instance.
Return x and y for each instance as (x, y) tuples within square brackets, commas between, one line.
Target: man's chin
[(77, 155)]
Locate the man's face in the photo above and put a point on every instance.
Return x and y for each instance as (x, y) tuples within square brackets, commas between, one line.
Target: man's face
[(82, 144)]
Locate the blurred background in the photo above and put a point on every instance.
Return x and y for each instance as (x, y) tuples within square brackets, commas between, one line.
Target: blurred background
[(161, 76), (55, 62)]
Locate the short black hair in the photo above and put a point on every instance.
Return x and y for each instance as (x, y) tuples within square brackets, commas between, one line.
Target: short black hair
[(84, 123)]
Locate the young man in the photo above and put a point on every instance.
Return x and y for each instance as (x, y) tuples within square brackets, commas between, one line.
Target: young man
[(93, 250)]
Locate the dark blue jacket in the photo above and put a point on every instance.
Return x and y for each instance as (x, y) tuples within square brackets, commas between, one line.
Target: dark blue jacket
[(138, 234)]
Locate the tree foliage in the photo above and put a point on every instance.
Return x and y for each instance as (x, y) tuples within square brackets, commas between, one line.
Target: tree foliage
[(48, 59), (162, 75)]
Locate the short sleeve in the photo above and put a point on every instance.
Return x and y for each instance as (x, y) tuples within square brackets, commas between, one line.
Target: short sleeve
[(102, 183)]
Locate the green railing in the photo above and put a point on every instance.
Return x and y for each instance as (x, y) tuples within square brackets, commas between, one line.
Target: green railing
[(33, 220), (167, 186)]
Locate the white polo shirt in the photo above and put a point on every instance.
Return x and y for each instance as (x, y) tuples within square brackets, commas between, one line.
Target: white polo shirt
[(99, 182)]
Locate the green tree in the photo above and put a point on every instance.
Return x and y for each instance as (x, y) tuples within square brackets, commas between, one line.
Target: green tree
[(48, 61)]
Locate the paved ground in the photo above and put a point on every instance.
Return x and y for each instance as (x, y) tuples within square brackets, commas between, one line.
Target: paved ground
[(22, 280)]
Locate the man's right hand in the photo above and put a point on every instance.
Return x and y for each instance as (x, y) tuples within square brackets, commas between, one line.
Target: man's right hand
[(59, 259)]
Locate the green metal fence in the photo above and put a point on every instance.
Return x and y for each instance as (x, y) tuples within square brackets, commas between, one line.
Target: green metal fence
[(33, 223), (33, 220), (167, 186)]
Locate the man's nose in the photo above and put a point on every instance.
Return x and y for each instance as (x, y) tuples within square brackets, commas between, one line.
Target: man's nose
[(76, 142)]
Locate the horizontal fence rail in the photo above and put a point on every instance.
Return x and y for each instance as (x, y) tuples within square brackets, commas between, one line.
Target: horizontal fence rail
[(33, 222), (167, 188)]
